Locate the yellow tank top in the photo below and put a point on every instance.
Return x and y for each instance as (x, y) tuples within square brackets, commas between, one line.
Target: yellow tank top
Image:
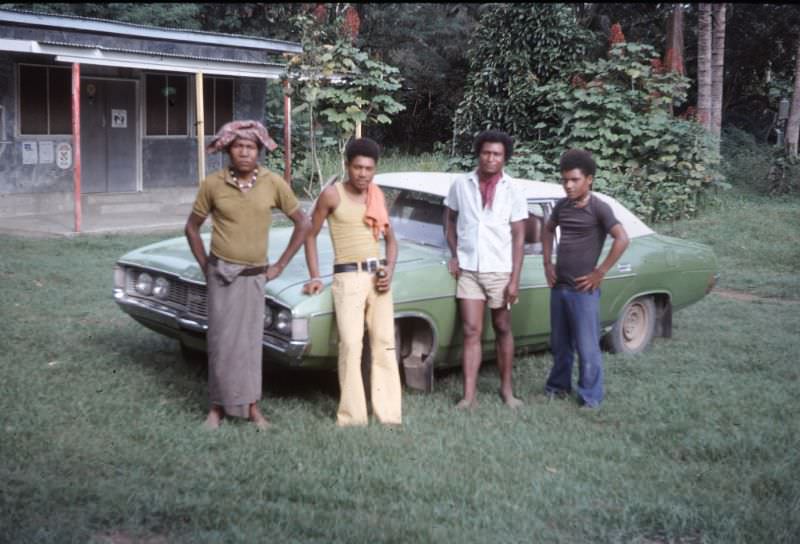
[(351, 236)]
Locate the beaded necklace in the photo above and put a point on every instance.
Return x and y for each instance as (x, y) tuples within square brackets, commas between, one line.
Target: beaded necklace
[(245, 186)]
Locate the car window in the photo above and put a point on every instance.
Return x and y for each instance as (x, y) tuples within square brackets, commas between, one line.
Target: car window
[(418, 217), (538, 212)]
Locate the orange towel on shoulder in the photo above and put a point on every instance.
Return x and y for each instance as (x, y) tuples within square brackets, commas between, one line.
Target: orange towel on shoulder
[(376, 216)]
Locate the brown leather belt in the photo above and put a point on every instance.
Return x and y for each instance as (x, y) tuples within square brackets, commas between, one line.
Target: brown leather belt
[(370, 265), (253, 271)]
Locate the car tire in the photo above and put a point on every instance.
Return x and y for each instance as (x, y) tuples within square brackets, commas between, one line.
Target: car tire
[(634, 330)]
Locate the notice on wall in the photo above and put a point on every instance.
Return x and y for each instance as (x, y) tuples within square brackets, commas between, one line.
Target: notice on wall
[(119, 118), (64, 155), (30, 153), (45, 152)]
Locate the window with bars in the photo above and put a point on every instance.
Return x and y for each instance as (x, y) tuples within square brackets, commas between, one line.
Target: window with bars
[(44, 100)]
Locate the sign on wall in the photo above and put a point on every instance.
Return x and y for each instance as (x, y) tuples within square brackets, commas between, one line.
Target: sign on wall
[(30, 153), (64, 155), (45, 152), (119, 118)]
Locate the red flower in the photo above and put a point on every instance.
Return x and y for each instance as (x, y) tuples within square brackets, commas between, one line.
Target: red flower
[(616, 34), (578, 81), (320, 13), (351, 23), (657, 65)]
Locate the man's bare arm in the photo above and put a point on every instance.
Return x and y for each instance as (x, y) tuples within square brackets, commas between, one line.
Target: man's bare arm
[(548, 237), (517, 253), (383, 284), (451, 235), (326, 203), (192, 232)]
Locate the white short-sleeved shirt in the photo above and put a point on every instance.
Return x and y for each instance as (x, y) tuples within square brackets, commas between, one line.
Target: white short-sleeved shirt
[(484, 234)]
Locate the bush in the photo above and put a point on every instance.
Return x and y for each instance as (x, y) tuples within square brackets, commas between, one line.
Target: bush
[(757, 167), (620, 109)]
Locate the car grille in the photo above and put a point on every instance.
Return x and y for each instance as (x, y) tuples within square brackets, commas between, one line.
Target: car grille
[(186, 296)]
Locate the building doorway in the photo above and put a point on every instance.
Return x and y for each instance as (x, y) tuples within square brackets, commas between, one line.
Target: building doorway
[(109, 135)]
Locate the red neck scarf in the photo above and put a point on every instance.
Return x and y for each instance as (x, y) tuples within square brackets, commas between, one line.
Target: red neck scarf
[(487, 188)]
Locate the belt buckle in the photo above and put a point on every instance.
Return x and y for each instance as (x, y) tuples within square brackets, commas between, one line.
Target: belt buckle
[(370, 262)]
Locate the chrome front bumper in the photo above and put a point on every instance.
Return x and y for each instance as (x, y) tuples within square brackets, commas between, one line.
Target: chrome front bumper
[(191, 331)]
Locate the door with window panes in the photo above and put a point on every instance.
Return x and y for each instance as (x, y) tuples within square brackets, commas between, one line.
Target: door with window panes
[(108, 135)]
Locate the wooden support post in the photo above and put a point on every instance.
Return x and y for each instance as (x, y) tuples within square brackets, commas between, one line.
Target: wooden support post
[(287, 133), (76, 143), (200, 128)]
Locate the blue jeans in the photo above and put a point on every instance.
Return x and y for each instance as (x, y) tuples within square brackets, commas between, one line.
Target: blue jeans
[(575, 326)]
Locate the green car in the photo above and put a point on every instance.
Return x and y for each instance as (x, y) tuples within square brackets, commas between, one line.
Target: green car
[(162, 287)]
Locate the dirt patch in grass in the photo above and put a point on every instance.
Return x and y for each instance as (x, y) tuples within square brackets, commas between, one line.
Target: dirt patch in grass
[(749, 297)]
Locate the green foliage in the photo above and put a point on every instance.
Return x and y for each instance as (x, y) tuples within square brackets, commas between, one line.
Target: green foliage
[(756, 167), (337, 86), (516, 47), (428, 43), (620, 109)]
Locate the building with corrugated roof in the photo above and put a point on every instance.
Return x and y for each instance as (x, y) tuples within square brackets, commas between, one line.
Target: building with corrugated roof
[(140, 89)]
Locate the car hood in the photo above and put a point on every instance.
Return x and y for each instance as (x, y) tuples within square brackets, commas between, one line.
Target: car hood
[(174, 257)]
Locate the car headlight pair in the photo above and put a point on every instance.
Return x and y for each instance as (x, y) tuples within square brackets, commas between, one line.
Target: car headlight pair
[(147, 286), (280, 320)]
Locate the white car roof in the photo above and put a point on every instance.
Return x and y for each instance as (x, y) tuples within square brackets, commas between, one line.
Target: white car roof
[(438, 183)]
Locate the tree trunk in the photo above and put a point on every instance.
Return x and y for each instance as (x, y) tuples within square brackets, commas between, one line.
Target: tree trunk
[(793, 125), (673, 57), (704, 66), (717, 68)]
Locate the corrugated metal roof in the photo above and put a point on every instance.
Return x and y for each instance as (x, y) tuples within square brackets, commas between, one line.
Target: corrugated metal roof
[(89, 24), (159, 54)]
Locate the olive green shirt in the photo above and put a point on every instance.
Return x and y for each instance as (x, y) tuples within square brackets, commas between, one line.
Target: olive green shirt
[(241, 220)]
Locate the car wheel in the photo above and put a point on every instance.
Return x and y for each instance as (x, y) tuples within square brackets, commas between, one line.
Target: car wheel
[(633, 331)]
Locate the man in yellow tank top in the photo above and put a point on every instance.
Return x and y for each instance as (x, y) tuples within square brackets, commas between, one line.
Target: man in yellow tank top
[(356, 214)]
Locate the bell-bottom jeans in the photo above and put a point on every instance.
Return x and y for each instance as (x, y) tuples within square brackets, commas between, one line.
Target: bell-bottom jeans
[(575, 326)]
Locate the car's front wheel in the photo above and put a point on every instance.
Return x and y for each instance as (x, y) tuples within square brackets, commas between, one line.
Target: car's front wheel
[(634, 330)]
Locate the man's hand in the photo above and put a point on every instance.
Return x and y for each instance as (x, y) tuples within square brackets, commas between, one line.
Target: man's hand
[(385, 283), (550, 274), (273, 271), (453, 268), (590, 281), (511, 293), (312, 287)]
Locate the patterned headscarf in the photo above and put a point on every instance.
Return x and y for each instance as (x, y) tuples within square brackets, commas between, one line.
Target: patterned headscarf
[(248, 130)]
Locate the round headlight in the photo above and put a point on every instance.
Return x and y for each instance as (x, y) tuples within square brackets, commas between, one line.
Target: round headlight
[(161, 288), (267, 317), (283, 321), (144, 284)]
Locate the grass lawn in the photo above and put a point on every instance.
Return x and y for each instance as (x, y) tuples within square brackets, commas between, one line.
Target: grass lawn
[(698, 440)]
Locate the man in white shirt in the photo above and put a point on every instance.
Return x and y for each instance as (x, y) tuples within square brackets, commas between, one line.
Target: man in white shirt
[(485, 225)]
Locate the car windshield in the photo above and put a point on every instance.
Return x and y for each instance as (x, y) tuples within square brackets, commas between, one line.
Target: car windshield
[(416, 216)]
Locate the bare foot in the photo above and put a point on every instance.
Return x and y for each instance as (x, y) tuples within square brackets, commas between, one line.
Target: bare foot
[(465, 404), (511, 401), (213, 418), (258, 418)]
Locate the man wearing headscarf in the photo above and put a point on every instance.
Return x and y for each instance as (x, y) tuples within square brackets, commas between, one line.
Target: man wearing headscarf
[(239, 200)]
